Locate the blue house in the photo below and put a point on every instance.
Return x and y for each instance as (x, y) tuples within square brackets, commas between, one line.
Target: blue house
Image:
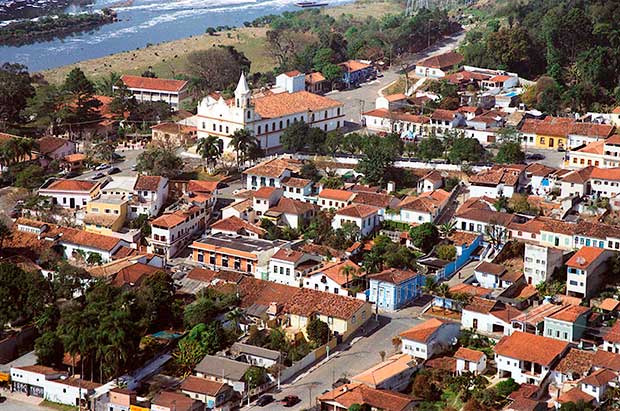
[(392, 289), (355, 72)]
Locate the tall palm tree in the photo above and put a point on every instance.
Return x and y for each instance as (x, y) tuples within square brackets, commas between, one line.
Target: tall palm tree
[(372, 262), (235, 316), (209, 150), (430, 285), (347, 271), (243, 141)]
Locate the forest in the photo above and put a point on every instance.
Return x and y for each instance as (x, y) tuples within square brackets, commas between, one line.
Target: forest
[(572, 47)]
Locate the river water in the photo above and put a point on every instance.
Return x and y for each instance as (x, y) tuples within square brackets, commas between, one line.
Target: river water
[(142, 22)]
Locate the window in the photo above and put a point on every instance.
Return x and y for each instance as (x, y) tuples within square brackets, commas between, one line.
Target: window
[(214, 127), (259, 129)]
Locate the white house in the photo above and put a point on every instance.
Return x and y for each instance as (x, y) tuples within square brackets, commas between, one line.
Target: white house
[(150, 194), (488, 316), (424, 208), (365, 217), (585, 270), (438, 66), (383, 120), (576, 183), (496, 182), (271, 173), (333, 198), (332, 278), (486, 222), (392, 374), (266, 116), (259, 356), (173, 231), (147, 89), (297, 188), (611, 340), (429, 338), (539, 262), (527, 358), (597, 383), (234, 225), (289, 266), (468, 360), (70, 193), (432, 180), (605, 182), (490, 275), (214, 394), (444, 120), (54, 148)]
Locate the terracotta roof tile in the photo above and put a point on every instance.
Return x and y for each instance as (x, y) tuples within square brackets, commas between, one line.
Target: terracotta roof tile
[(393, 366), (422, 332), (374, 199), (296, 182), (605, 359), (584, 257), (237, 225), (134, 274), (399, 115), (83, 238), (487, 216), (265, 192), (519, 346), (470, 290), (358, 211), (354, 65), (335, 194), (47, 145), (550, 126), (72, 185), (147, 183), (490, 268), (173, 219), (335, 271), (592, 130), (174, 400), (275, 168), (482, 305), (291, 206), (468, 354), (350, 394), (285, 104), (575, 395), (203, 386), (316, 77), (595, 147), (394, 275), (148, 83), (570, 313), (606, 173), (286, 254), (40, 369), (575, 361), (444, 115), (609, 304), (440, 61), (599, 377), (613, 335), (578, 176)]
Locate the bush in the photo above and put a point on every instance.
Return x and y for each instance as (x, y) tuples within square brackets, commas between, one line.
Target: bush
[(318, 331), (446, 252)]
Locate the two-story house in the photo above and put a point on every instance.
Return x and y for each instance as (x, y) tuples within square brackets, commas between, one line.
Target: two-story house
[(271, 173), (150, 194), (567, 324), (393, 288), (172, 231), (365, 217), (585, 269), (289, 267), (333, 198), (429, 338)]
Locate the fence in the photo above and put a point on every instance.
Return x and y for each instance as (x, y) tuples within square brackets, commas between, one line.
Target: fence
[(312, 357)]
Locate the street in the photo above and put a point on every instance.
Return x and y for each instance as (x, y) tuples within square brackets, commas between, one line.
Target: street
[(363, 354), (361, 99)]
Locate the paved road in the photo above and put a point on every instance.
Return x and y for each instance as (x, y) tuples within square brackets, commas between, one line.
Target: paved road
[(131, 157), (553, 158), (362, 99), (362, 355)]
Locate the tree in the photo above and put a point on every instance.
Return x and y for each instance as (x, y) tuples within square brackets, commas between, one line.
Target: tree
[(159, 161), (15, 83), (49, 349), (309, 171), (576, 406), (506, 387), (447, 228), (145, 112), (446, 252), (466, 149), (234, 316), (43, 108), (217, 68), (80, 105), (243, 142), (378, 157), (103, 151), (318, 331), (347, 271), (510, 153), (519, 204), (209, 149), (424, 236), (124, 102), (156, 295), (5, 232), (300, 135), (200, 311), (424, 387), (24, 294), (189, 354), (105, 86), (430, 148), (255, 376)]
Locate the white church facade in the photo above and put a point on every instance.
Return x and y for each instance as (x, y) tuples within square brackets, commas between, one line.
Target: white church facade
[(266, 115)]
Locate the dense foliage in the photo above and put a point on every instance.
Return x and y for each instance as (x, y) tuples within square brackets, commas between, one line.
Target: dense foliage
[(575, 43)]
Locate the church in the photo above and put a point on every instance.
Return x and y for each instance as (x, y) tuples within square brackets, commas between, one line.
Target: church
[(267, 114)]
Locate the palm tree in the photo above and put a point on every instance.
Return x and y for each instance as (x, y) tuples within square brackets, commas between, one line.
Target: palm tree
[(243, 142), (448, 228), (209, 150), (373, 262), (347, 271), (106, 85), (235, 315), (430, 285)]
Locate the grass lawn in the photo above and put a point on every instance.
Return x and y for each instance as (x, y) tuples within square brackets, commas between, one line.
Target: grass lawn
[(397, 87), (56, 406), (366, 8)]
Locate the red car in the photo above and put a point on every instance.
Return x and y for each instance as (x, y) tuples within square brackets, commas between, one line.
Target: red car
[(290, 400)]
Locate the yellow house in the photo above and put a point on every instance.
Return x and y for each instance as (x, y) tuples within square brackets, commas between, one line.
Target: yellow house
[(106, 214), (550, 133)]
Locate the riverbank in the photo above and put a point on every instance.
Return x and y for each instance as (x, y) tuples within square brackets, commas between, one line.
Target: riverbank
[(47, 28), (169, 58)]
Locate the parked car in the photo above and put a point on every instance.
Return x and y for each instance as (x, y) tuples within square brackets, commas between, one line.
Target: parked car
[(264, 400), (114, 170), (98, 176), (102, 167), (290, 400), (339, 382), (535, 156)]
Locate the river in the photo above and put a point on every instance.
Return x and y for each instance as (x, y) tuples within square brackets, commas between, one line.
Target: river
[(142, 22)]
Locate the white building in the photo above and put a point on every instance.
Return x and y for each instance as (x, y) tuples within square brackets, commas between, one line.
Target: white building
[(297, 188), (333, 198), (585, 270), (289, 267), (611, 340), (468, 360), (488, 316), (171, 232), (332, 278), (365, 217), (266, 116), (429, 338), (234, 225), (431, 181), (490, 275), (438, 66), (146, 89), (271, 173), (424, 208), (497, 181), (527, 358), (539, 262), (150, 194), (70, 193)]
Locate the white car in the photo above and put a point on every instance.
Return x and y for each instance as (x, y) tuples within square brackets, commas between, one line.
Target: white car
[(102, 167)]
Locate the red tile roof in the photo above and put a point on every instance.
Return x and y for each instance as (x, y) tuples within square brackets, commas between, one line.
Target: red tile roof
[(353, 65), (264, 192), (284, 104), (316, 77), (468, 354), (578, 176), (606, 173), (147, 183), (358, 211), (444, 115), (605, 359), (134, 274), (335, 194), (72, 185), (175, 218), (394, 275), (592, 129), (441, 61), (202, 186), (397, 115), (519, 345), (570, 313), (584, 257), (422, 332), (575, 395), (275, 168), (550, 126), (491, 268), (174, 401), (47, 145), (40, 369), (609, 304), (203, 386), (575, 361), (613, 335), (237, 225), (291, 206), (335, 271), (296, 182), (148, 83), (487, 216), (360, 394), (83, 238), (286, 254), (599, 377)]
